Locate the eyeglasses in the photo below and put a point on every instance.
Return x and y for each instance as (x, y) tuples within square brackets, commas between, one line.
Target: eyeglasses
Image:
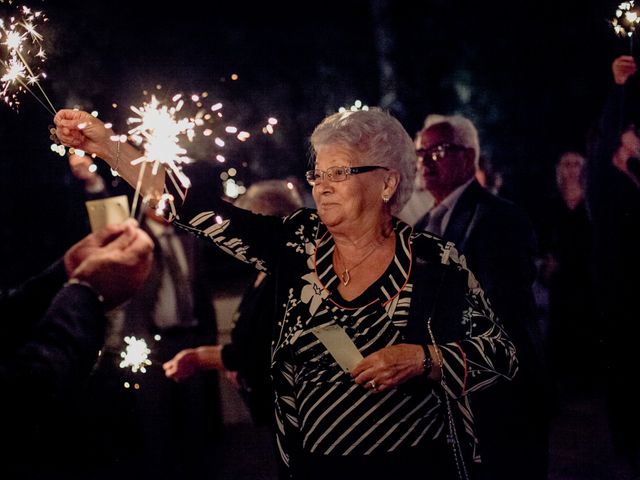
[(338, 174), (438, 152)]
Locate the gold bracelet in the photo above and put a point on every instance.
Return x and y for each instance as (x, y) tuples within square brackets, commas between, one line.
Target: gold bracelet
[(115, 167)]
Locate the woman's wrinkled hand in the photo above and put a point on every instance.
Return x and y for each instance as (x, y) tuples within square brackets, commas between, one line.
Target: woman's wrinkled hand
[(79, 129), (389, 367)]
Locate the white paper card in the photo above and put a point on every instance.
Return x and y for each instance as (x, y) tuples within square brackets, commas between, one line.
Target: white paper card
[(339, 345), (106, 211)]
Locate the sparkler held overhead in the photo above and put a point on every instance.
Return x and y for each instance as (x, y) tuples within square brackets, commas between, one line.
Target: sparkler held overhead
[(626, 20), (162, 132), (21, 43)]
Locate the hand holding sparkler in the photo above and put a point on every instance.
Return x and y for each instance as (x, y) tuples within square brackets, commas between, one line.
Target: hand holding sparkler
[(82, 130), (623, 67), (79, 129)]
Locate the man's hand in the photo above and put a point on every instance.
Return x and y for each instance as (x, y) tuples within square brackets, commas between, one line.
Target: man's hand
[(623, 67), (94, 241), (188, 362), (119, 267), (81, 168)]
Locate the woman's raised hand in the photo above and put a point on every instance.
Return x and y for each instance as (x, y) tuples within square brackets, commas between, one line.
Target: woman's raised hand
[(79, 129)]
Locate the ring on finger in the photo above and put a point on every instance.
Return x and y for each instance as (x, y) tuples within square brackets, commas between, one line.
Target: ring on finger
[(372, 384)]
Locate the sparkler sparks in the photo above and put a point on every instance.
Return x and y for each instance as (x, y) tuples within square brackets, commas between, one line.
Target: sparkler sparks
[(626, 20), (20, 40), (135, 355), (167, 131), (173, 130), (160, 131)]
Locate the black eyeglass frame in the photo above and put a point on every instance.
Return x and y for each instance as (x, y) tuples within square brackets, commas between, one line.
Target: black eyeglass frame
[(311, 175), (438, 152)]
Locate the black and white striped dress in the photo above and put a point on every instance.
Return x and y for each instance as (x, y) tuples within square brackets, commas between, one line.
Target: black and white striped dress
[(319, 408)]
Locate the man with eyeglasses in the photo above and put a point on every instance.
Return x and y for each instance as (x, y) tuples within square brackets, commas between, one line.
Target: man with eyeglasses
[(499, 243)]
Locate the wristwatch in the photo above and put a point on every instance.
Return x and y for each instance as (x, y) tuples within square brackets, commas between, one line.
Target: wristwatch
[(427, 363)]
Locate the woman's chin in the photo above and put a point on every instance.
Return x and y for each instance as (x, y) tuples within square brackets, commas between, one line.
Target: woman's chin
[(329, 216)]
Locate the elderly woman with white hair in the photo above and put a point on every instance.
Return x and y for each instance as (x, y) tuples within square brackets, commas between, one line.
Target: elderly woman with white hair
[(380, 334)]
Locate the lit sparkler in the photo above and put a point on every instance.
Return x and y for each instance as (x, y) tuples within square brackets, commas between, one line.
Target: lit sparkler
[(626, 20), (159, 129), (20, 40), (167, 130), (173, 130), (135, 355)]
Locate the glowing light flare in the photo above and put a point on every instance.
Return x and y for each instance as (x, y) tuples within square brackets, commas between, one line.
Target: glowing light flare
[(15, 70), (163, 208), (627, 18), (30, 28), (157, 127), (23, 43), (357, 105), (14, 40), (135, 355)]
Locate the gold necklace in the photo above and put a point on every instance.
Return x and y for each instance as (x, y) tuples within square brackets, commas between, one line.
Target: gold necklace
[(345, 276)]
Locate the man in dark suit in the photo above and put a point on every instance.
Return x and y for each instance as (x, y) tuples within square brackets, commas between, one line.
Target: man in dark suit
[(171, 429), (499, 243), (50, 334)]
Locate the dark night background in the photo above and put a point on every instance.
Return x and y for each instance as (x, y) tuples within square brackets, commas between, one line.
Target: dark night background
[(532, 75)]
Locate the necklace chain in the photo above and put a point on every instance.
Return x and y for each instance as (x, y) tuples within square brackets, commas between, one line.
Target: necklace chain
[(345, 276)]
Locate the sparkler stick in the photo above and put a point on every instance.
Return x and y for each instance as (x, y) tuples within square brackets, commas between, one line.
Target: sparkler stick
[(24, 62), (137, 193)]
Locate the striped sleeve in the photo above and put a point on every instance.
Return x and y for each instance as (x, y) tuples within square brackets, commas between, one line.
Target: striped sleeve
[(486, 354)]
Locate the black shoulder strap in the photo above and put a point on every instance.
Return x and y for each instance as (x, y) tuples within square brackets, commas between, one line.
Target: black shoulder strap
[(428, 278)]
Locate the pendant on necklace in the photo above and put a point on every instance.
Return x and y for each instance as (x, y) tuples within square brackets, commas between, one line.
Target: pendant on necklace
[(346, 278)]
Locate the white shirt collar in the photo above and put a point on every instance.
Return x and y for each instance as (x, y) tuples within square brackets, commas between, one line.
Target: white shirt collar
[(449, 203)]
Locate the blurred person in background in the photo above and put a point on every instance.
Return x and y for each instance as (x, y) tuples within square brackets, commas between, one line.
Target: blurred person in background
[(613, 200), (566, 258), (498, 242)]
